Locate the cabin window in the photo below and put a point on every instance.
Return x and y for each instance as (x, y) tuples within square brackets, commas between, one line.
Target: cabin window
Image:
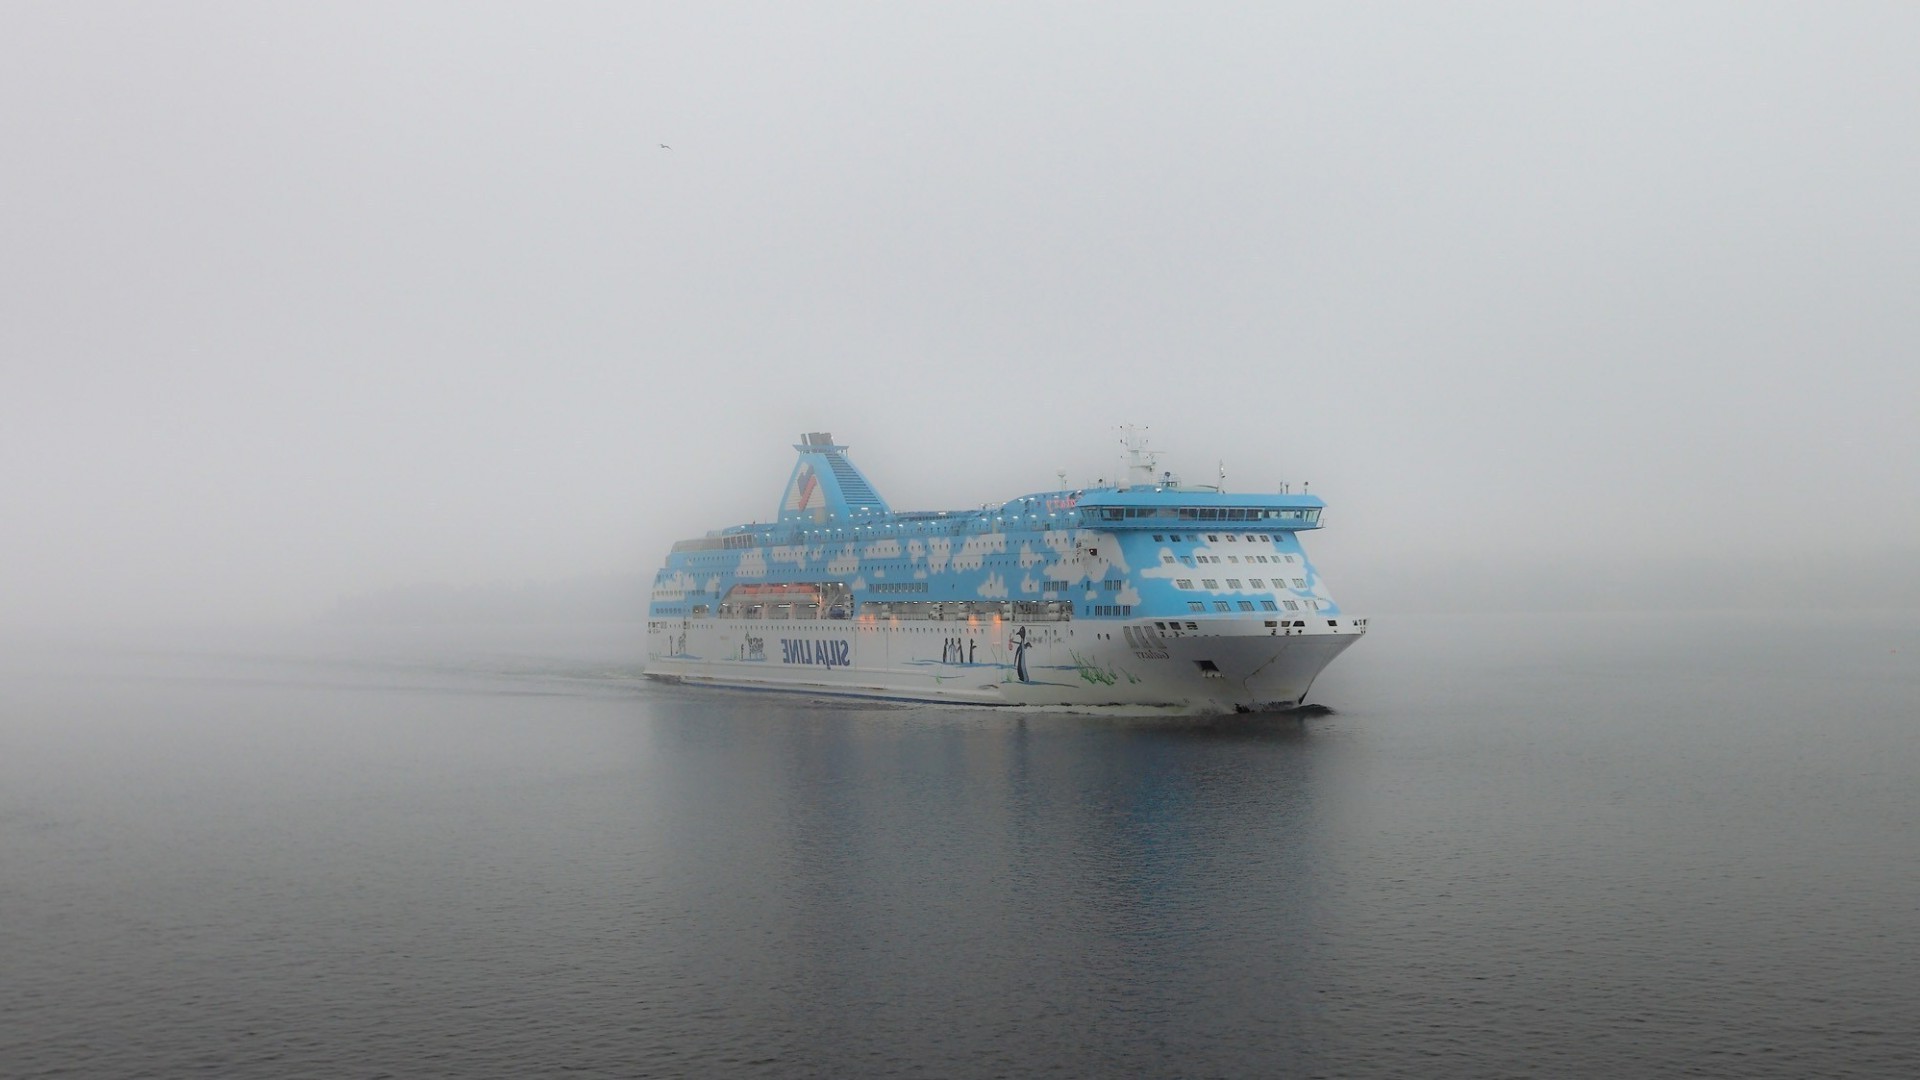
[(1258, 583), (1221, 605), (1299, 583), (1157, 539), (1195, 605), (1185, 583), (1211, 583), (1233, 583), (1269, 605)]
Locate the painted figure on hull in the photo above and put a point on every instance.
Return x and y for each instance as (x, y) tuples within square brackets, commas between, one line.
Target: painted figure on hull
[(1020, 646)]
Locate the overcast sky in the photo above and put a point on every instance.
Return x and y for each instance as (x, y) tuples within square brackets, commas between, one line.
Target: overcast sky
[(303, 301)]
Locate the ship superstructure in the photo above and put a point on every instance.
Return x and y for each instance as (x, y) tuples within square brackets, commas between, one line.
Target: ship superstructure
[(1146, 592)]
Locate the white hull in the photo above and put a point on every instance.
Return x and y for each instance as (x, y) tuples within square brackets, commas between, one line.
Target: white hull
[(1224, 665)]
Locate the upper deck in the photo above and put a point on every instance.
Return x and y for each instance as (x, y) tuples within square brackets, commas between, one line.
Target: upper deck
[(1106, 508), (1148, 547)]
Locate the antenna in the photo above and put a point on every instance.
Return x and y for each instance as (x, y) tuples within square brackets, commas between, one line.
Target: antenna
[(1061, 474), (1140, 463)]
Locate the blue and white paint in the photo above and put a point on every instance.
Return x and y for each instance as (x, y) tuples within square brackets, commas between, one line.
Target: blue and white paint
[(1143, 593)]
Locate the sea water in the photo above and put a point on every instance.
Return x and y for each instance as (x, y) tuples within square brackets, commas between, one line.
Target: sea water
[(1649, 844)]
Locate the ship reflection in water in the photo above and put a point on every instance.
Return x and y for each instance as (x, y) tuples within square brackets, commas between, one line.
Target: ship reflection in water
[(996, 890)]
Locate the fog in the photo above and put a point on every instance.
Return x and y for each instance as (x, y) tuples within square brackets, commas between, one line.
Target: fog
[(1596, 303)]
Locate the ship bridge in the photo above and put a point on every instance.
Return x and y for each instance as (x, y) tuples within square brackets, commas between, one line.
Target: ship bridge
[(1144, 508)]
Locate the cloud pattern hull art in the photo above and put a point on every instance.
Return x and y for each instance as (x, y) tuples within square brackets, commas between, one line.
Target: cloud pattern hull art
[(1146, 593)]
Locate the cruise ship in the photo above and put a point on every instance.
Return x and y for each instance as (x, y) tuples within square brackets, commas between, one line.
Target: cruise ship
[(1142, 593)]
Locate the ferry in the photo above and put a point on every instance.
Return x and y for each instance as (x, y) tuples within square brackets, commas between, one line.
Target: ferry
[(1146, 592)]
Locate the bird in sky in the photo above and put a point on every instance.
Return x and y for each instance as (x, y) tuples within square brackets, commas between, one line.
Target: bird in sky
[(664, 146)]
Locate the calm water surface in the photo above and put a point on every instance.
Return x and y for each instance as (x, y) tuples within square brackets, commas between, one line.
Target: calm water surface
[(1539, 846)]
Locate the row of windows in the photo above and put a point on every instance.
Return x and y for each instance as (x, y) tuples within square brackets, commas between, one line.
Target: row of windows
[(1113, 610), (967, 610), (1189, 559), (1234, 583), (1212, 538), (1247, 605), (778, 611), (898, 586), (1175, 625), (1208, 513)]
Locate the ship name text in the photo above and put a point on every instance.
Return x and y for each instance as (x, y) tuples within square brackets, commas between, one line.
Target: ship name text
[(830, 653)]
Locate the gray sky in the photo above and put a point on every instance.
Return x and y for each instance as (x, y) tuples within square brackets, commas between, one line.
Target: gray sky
[(297, 303)]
